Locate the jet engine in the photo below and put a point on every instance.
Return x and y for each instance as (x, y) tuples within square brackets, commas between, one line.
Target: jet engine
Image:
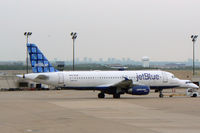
[(139, 90)]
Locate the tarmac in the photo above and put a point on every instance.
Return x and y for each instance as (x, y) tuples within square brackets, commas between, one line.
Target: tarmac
[(69, 111)]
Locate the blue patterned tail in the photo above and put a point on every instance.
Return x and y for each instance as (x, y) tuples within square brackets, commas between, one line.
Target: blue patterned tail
[(39, 62)]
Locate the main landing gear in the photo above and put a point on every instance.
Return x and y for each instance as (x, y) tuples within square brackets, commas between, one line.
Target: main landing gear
[(101, 95), (116, 95)]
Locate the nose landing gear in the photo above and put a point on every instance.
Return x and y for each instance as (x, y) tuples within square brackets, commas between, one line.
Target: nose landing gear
[(161, 93)]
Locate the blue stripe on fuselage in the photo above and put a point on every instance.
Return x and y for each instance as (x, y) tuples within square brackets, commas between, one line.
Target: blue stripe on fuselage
[(162, 87), (106, 88), (87, 88)]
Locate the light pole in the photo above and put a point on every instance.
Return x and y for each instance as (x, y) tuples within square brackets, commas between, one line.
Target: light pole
[(194, 38), (27, 34), (74, 36)]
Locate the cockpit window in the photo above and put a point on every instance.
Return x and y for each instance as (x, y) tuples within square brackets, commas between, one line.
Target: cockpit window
[(173, 76), (188, 82)]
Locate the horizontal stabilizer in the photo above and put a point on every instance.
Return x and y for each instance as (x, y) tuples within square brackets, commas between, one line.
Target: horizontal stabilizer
[(42, 77)]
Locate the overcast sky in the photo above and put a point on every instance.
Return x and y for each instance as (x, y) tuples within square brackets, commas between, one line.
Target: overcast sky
[(159, 29)]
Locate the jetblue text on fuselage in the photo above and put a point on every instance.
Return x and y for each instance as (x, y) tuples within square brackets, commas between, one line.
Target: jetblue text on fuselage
[(147, 76)]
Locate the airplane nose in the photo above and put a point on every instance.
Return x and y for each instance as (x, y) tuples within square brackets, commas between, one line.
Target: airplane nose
[(188, 84), (195, 86)]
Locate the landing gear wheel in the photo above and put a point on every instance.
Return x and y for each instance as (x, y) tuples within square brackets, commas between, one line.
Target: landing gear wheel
[(101, 95), (116, 95), (194, 95), (161, 95)]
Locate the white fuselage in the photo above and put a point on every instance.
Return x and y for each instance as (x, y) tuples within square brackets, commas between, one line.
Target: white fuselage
[(101, 79)]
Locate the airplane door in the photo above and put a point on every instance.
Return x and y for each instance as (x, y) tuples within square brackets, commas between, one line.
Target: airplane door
[(165, 78), (60, 78)]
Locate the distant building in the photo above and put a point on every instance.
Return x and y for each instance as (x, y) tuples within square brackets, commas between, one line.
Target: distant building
[(174, 65), (100, 60), (90, 60), (77, 60), (145, 62), (85, 59)]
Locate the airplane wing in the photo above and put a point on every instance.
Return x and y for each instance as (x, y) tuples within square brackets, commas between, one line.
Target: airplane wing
[(126, 83)]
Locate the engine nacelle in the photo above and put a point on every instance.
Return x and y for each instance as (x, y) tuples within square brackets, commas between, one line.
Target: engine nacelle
[(139, 90)]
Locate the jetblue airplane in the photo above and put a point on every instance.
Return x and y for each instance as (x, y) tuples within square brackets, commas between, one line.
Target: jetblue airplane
[(107, 82)]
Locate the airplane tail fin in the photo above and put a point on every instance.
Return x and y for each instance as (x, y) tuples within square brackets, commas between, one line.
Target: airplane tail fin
[(39, 62)]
